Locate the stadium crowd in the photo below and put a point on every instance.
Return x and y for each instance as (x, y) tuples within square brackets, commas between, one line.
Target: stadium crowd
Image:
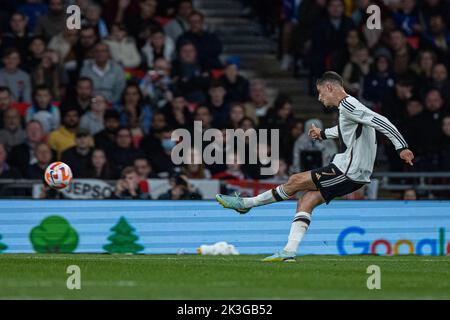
[(105, 99)]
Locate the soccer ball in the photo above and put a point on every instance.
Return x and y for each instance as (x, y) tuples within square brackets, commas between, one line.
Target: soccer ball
[(58, 175)]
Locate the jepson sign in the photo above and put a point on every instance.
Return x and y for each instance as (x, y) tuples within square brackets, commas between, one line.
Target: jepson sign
[(427, 246)]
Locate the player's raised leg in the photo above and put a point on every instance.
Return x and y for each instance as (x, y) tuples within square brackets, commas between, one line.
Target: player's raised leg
[(299, 226), (298, 182)]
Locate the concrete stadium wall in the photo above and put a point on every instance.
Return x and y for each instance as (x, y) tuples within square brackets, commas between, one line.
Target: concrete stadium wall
[(343, 227)]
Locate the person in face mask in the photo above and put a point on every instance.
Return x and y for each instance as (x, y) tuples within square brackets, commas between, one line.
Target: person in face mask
[(157, 148), (51, 24)]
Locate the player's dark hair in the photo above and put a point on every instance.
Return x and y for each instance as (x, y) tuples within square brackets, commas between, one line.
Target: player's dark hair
[(330, 76)]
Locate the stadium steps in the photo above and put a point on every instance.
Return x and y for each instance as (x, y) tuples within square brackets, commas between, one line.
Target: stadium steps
[(243, 37)]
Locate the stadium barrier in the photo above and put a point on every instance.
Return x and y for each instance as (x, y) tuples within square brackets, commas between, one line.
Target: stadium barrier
[(176, 227)]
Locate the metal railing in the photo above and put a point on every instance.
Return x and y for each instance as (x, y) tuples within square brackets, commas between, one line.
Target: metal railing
[(430, 181)]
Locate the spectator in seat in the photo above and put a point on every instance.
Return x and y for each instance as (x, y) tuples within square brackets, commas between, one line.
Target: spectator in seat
[(196, 171), (139, 26), (176, 112), (247, 123), (124, 153), (410, 195), (79, 156), (106, 138), (295, 130), (43, 110), (93, 120), (234, 169), (426, 59), (256, 108), (158, 45), (35, 52), (305, 148), (7, 171), (107, 76), (237, 113), (93, 18), (5, 103), (379, 82), (280, 116), (64, 137), (411, 127), (12, 134), (193, 170), (440, 81), (445, 145), (33, 9), (180, 189), (219, 107), (128, 187), (180, 23), (157, 149), (143, 169), (204, 115), (407, 17), (190, 76), (356, 69), (17, 80), (282, 175), (51, 74), (44, 157), (81, 98), (18, 37), (328, 38), (99, 167), (431, 132), (134, 112), (53, 22), (159, 122), (24, 155), (438, 37), (403, 54), (122, 47), (64, 45), (208, 45), (85, 47), (236, 86), (157, 85), (393, 105)]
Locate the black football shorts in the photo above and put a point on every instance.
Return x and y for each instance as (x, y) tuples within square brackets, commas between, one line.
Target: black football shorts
[(332, 183)]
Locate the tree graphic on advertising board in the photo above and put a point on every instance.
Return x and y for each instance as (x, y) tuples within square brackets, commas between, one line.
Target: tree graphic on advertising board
[(123, 239), (3, 247), (54, 235)]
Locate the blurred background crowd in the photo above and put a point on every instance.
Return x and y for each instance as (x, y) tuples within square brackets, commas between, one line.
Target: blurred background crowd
[(105, 99)]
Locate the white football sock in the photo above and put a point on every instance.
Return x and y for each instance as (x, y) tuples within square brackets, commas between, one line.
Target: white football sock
[(299, 227), (270, 196)]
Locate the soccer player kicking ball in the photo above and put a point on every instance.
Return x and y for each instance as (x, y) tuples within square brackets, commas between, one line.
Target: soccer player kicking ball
[(347, 172)]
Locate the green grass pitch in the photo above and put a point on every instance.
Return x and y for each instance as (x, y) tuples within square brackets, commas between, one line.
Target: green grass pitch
[(40, 276)]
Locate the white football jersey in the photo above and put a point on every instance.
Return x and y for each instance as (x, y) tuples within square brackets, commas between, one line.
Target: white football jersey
[(356, 131)]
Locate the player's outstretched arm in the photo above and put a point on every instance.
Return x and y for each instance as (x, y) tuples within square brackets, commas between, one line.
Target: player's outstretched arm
[(380, 123)]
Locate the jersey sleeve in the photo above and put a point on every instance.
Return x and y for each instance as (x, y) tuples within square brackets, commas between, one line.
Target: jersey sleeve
[(364, 115), (330, 133)]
